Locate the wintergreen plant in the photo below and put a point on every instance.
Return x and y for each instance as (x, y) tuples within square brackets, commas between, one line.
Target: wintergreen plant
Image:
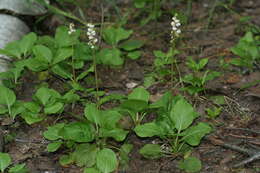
[(214, 111), (115, 36), (175, 35), (162, 60), (89, 140), (248, 51), (45, 101), (175, 124), (136, 105), (198, 78)]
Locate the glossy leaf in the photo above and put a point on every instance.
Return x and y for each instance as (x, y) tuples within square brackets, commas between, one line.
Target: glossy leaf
[(7, 96), (5, 161), (53, 108), (194, 134), (85, 155), (106, 160), (109, 56), (19, 168), (78, 132), (151, 151), (130, 45), (92, 113), (190, 165), (116, 133), (42, 53), (134, 55), (53, 132), (43, 95), (182, 114), (113, 35), (27, 42), (139, 93), (62, 54), (54, 146), (148, 130)]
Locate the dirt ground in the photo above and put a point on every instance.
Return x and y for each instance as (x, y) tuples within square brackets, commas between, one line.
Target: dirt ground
[(238, 124)]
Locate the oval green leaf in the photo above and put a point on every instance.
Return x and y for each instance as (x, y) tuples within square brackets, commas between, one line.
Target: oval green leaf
[(106, 160)]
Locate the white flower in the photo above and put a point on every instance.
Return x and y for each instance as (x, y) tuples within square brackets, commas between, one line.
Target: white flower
[(175, 31), (91, 33), (71, 28)]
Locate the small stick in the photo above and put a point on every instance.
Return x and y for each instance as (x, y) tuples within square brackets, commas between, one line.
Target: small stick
[(254, 157)]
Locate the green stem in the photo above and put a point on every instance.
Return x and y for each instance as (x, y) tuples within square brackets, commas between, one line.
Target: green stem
[(96, 75), (72, 61)]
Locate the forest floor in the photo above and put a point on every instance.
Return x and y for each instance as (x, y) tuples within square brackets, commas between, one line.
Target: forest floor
[(238, 124)]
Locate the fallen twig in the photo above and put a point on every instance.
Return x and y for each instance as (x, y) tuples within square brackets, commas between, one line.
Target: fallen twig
[(254, 155)]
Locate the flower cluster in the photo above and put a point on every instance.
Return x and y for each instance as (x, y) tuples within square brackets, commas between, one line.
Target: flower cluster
[(175, 32), (71, 28), (91, 33)]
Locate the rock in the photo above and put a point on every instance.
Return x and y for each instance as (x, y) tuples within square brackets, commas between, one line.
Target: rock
[(11, 29), (23, 7)]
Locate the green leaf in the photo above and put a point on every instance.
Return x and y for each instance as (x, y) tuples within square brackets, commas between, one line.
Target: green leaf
[(148, 130), (159, 54), (17, 108), (5, 161), (191, 164), (123, 154), (131, 105), (12, 49), (3, 110), (54, 146), (92, 113), (53, 132), (32, 107), (91, 170), (43, 95), (85, 73), (62, 71), (116, 133), (35, 64), (151, 151), (63, 39), (139, 93), (42, 53), (109, 56), (27, 42), (202, 63), (134, 55), (194, 134), (106, 160), (53, 108), (47, 40), (66, 160), (113, 35), (70, 97), (130, 45), (163, 102), (20, 168), (85, 155), (182, 114), (62, 54), (78, 132), (109, 119), (31, 117), (7, 96)]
